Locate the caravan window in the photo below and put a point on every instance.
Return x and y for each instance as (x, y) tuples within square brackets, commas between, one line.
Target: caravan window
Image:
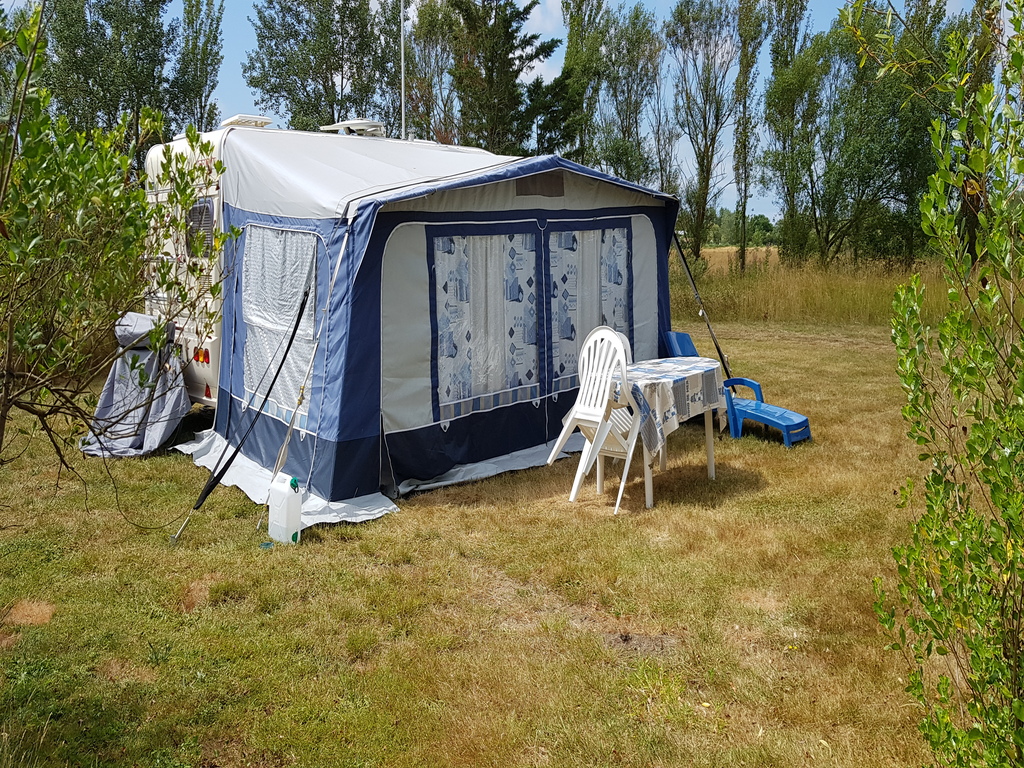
[(275, 270), (199, 223), (591, 285), (485, 302)]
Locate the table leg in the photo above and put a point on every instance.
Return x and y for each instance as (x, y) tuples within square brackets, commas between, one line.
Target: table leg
[(648, 478), (709, 438)]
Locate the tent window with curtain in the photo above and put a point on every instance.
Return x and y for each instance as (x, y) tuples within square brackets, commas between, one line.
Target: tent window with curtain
[(591, 285), (485, 311), (275, 271)]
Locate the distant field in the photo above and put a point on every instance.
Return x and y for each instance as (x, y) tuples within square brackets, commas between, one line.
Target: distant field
[(722, 258), (843, 295), (489, 624)]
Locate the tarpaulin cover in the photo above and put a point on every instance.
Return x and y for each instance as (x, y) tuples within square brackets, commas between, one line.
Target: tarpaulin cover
[(144, 398)]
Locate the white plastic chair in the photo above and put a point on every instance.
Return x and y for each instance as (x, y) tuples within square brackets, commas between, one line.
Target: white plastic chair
[(610, 428), (626, 346)]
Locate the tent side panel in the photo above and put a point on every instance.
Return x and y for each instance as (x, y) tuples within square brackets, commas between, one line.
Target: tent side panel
[(426, 453), (473, 350), (332, 470), (337, 457)]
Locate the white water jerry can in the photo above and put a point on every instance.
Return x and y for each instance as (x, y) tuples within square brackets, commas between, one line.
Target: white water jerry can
[(285, 518)]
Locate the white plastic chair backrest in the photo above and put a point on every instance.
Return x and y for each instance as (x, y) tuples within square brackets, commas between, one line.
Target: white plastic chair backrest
[(602, 356), (626, 345)]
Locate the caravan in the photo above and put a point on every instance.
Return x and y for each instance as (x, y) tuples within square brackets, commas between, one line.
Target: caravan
[(448, 292)]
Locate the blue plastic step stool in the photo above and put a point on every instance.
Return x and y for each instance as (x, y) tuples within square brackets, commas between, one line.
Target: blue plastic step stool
[(794, 426)]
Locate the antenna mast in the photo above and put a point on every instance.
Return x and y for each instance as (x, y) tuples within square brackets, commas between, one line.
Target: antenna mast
[(401, 21)]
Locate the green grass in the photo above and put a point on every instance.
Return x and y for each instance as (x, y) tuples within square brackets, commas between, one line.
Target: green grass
[(492, 623)]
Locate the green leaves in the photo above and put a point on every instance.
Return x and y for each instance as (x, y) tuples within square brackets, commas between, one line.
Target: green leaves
[(77, 228), (959, 579)]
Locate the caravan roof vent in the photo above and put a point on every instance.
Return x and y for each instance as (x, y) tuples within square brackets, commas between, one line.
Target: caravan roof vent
[(357, 127), (252, 121)]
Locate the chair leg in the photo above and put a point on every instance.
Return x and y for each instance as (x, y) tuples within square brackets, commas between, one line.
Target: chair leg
[(581, 471), (600, 474), (622, 482), (663, 454), (560, 442), (599, 437), (632, 438), (735, 425)]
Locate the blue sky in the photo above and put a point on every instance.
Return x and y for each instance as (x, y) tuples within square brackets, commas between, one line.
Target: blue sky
[(234, 97)]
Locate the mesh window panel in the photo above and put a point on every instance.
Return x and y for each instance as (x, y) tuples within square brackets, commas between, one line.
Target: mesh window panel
[(275, 268)]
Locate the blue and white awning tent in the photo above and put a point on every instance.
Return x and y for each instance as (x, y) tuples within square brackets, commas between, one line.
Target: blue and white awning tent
[(451, 291)]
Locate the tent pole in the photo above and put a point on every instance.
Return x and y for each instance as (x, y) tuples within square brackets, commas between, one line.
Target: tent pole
[(700, 307)]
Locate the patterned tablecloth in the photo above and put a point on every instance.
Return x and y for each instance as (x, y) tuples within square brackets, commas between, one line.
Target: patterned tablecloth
[(670, 391)]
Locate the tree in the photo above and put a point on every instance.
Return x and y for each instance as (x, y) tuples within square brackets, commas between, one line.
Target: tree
[(633, 53), (73, 228), (703, 37), (109, 58), (198, 67), (957, 614), (907, 48), (492, 55), (10, 56), (433, 104), (760, 230), (848, 151), (573, 109), (310, 61), (387, 65), (787, 111), (663, 129), (752, 27)]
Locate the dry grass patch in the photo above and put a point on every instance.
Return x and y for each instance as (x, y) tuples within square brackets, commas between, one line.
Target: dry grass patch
[(124, 672), (30, 613), (197, 593), (493, 623)]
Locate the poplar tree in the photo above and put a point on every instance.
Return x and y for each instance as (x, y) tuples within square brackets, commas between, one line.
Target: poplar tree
[(634, 58), (433, 103), (108, 58), (583, 74), (753, 27), (197, 70), (785, 111), (312, 61), (703, 37)]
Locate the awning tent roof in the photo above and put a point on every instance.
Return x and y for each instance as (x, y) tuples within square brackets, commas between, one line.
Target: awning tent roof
[(326, 175)]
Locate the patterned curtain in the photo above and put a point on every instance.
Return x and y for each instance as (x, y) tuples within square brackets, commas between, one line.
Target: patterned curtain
[(486, 315)]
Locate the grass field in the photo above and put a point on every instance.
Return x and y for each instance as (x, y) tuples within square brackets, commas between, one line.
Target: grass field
[(489, 624)]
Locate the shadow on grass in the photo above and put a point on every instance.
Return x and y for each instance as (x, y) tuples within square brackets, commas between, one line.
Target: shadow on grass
[(689, 484), (46, 710)]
